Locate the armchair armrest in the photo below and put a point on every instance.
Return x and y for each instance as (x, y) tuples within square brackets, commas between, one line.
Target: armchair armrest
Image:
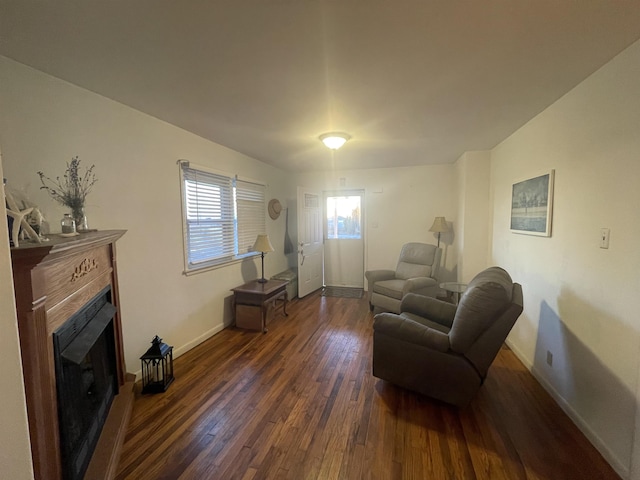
[(416, 283), (374, 276), (409, 331), (429, 308)]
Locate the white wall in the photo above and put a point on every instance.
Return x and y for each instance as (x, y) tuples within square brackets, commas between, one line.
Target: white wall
[(15, 450), (581, 301), (46, 121), (472, 229), (400, 205)]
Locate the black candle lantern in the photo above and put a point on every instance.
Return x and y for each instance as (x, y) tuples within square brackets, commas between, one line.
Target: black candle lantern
[(157, 367)]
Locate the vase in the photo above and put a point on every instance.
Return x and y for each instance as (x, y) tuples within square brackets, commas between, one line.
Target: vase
[(81, 219), (68, 224)]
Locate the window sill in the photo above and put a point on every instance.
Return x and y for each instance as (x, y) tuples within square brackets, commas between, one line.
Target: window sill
[(195, 271)]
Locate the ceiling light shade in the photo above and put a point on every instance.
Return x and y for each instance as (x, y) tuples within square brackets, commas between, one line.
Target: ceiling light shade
[(334, 140)]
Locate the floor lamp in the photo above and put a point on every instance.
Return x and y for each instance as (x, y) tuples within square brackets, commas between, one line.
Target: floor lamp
[(262, 245), (439, 226)]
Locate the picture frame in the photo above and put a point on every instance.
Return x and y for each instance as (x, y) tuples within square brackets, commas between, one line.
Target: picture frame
[(532, 205)]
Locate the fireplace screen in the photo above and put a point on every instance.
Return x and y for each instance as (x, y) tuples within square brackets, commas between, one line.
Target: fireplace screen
[(86, 380)]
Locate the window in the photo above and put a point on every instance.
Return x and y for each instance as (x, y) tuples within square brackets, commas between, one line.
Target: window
[(343, 217), (222, 216)]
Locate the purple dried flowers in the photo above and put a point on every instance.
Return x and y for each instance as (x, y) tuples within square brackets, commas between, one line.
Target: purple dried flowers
[(71, 190)]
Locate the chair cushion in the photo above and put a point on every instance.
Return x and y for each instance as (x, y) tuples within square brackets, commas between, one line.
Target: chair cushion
[(416, 260), (389, 288), (405, 270), (409, 332), (486, 297), (494, 275), (425, 321)]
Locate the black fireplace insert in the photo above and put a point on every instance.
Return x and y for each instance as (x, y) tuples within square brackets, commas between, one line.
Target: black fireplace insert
[(86, 380)]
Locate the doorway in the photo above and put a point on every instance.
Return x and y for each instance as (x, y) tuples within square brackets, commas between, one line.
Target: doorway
[(310, 245), (344, 238)]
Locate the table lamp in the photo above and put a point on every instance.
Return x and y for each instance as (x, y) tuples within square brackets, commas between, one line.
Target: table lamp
[(262, 245)]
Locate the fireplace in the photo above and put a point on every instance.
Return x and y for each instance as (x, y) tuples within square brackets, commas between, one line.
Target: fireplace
[(79, 396), (86, 381)]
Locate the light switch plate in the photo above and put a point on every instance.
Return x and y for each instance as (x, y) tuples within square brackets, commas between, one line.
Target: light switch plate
[(604, 237)]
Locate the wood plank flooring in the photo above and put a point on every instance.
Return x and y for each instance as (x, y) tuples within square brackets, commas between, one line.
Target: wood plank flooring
[(300, 403)]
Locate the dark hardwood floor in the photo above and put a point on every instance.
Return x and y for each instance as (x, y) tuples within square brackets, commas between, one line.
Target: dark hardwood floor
[(300, 403)]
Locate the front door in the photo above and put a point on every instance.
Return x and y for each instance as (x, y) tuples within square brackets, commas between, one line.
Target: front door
[(344, 241), (310, 248)]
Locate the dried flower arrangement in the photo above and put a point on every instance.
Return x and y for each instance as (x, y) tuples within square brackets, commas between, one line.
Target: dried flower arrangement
[(72, 189)]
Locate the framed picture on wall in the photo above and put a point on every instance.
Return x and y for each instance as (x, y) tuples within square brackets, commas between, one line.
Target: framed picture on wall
[(532, 205)]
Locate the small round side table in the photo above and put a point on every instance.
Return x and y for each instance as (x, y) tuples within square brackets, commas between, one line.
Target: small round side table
[(454, 289)]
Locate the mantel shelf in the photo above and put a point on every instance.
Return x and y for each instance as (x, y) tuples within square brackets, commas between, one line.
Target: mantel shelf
[(58, 246)]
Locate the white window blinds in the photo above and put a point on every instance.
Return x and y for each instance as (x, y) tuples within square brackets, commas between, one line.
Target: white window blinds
[(250, 212), (222, 216)]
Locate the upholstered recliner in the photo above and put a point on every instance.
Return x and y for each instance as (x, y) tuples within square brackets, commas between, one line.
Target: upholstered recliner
[(416, 272), (442, 350)]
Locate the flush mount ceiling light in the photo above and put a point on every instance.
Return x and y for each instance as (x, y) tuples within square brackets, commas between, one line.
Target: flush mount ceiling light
[(334, 140)]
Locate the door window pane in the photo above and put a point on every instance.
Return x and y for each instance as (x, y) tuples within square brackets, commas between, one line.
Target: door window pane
[(343, 217)]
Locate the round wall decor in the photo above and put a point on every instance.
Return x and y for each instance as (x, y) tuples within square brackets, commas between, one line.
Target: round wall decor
[(274, 208)]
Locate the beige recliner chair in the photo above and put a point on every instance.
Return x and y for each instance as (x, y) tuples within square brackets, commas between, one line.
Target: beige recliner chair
[(416, 272), (442, 350)]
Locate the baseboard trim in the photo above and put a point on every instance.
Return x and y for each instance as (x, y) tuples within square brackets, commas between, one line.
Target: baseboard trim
[(198, 340), (575, 417), (192, 344)]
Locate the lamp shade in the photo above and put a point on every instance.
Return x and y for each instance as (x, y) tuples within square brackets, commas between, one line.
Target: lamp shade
[(439, 225), (334, 140), (262, 244)]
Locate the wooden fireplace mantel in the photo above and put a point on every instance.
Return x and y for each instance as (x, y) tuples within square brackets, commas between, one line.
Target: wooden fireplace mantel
[(52, 281)]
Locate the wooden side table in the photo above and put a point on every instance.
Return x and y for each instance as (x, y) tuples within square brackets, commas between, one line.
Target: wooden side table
[(250, 302)]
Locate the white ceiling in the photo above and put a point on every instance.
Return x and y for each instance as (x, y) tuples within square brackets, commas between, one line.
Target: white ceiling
[(412, 81)]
